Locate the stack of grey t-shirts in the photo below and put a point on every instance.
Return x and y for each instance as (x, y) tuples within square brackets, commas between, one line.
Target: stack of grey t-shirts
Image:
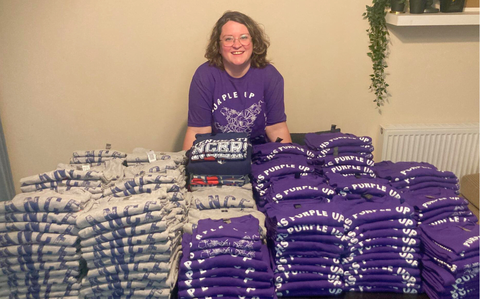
[(342, 153), (384, 247), (39, 253), (70, 177), (131, 245), (451, 259), (146, 178), (413, 176), (307, 243), (144, 156), (225, 259), (95, 157), (223, 197), (434, 204)]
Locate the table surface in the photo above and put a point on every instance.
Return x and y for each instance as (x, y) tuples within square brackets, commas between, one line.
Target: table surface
[(350, 295), (360, 295)]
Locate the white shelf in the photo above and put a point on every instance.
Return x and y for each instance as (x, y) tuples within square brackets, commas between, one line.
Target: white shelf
[(468, 17)]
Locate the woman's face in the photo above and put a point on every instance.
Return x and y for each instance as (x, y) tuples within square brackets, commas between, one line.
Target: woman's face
[(236, 55)]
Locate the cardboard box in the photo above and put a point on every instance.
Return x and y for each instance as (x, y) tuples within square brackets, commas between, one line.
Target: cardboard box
[(469, 189)]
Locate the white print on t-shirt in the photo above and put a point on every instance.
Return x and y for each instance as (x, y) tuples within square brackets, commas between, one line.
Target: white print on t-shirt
[(470, 241), (326, 191), (326, 143), (228, 96), (240, 121), (428, 203), (350, 167), (445, 220), (399, 209), (404, 172), (287, 147), (316, 213), (233, 145), (272, 169), (350, 158)]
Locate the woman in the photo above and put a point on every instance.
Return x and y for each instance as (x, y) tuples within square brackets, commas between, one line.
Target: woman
[(237, 90)]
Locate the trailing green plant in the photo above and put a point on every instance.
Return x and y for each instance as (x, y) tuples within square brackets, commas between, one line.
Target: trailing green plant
[(379, 38)]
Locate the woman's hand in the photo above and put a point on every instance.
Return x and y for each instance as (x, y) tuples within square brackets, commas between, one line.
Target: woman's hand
[(278, 130), (190, 135)]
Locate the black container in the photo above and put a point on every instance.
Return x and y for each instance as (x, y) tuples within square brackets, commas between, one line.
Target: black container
[(417, 6), (397, 6), (452, 5)]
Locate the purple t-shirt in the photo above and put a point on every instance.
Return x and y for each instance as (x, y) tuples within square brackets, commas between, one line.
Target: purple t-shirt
[(247, 104)]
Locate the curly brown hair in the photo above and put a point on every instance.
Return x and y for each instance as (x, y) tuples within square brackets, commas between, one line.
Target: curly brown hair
[(259, 40)]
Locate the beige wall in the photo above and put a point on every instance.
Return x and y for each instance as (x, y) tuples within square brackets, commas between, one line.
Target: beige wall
[(80, 74)]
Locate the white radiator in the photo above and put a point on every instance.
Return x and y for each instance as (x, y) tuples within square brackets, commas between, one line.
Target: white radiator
[(448, 147)]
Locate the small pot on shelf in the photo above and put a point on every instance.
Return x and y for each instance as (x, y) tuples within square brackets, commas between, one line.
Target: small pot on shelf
[(452, 5), (417, 6), (397, 6)]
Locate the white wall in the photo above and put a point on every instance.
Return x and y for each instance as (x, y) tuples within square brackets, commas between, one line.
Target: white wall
[(80, 74)]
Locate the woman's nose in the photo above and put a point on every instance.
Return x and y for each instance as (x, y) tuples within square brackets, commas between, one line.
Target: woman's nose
[(237, 43)]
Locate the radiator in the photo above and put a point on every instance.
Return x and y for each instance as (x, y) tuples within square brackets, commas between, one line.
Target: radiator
[(448, 147)]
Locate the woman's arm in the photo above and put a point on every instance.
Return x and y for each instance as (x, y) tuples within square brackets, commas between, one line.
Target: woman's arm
[(278, 130), (190, 135)]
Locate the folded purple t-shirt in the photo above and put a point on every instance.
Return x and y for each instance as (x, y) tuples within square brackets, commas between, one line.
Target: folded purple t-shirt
[(222, 261), (288, 164), (433, 198), (245, 227), (223, 282), (401, 223), (358, 150), (289, 214), (270, 150), (301, 187), (412, 181), (358, 212), (347, 159), (328, 140), (304, 276), (401, 170), (248, 274), (225, 242)]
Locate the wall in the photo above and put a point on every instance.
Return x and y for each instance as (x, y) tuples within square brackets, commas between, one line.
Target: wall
[(471, 3), (80, 74)]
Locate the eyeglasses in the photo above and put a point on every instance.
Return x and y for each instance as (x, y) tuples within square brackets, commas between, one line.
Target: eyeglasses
[(229, 40)]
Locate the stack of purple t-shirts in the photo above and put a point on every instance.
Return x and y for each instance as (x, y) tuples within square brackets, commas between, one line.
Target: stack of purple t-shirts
[(146, 178), (219, 159), (384, 248), (342, 153), (144, 156), (308, 241), (412, 176), (222, 202), (435, 203), (70, 177), (283, 172), (225, 259), (451, 259), (96, 157), (39, 254), (131, 245)]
